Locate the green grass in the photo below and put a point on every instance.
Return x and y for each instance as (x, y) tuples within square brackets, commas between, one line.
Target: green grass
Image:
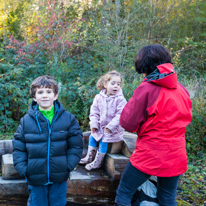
[(192, 184)]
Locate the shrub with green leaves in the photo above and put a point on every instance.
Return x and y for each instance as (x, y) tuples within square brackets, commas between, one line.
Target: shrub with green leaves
[(77, 43)]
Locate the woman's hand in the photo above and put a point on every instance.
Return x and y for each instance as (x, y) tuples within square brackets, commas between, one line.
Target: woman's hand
[(94, 130), (107, 130)]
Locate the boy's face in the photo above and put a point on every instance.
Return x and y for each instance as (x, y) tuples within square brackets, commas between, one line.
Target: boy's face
[(45, 98)]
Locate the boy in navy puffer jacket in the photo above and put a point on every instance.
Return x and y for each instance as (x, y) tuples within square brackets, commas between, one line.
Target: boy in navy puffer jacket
[(47, 145)]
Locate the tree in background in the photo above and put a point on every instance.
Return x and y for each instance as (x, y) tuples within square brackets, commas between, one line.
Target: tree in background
[(78, 41)]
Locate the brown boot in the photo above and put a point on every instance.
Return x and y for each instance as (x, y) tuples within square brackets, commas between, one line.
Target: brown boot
[(91, 152), (97, 163)]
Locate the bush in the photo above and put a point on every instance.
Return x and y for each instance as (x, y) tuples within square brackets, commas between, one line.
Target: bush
[(77, 43), (196, 131)]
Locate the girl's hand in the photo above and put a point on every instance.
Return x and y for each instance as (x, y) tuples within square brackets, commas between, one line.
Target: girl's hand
[(94, 130), (107, 130)]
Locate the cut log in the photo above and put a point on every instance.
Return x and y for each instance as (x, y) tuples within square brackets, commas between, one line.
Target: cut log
[(5, 147), (129, 144), (8, 147), (115, 148), (114, 164), (86, 134), (85, 142), (2, 150), (91, 187), (8, 170)]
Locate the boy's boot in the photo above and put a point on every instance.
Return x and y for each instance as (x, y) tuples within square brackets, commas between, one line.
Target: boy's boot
[(91, 152), (97, 163)]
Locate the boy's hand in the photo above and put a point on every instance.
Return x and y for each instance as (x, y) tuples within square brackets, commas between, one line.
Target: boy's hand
[(94, 130), (107, 130)]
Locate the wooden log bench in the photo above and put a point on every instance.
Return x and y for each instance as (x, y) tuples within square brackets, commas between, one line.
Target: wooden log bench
[(84, 187), (118, 154)]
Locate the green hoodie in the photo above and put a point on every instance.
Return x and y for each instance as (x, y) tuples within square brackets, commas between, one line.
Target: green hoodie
[(48, 114)]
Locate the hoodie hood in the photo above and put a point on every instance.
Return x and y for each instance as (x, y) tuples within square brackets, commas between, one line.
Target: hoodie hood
[(103, 93), (163, 76)]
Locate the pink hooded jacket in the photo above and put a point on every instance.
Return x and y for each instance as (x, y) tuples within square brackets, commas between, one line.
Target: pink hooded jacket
[(105, 112)]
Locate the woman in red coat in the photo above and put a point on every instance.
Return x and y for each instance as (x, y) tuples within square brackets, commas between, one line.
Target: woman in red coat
[(159, 111)]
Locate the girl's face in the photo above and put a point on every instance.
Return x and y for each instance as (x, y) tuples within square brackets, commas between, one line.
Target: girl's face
[(113, 85)]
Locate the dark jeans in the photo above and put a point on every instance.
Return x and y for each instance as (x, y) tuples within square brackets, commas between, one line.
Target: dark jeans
[(132, 178), (47, 195)]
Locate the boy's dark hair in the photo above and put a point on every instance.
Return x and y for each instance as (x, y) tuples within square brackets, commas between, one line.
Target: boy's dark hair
[(43, 81), (149, 57)]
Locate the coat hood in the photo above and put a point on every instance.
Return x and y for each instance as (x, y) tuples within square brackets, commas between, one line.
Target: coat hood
[(103, 93), (34, 108), (163, 76)]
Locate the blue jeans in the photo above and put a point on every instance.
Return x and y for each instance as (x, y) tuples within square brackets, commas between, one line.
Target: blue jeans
[(102, 145), (48, 195), (132, 178)]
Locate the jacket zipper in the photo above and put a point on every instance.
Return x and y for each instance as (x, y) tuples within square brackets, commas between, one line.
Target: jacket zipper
[(49, 142), (38, 122)]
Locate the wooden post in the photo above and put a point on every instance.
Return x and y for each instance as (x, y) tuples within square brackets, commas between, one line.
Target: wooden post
[(8, 170)]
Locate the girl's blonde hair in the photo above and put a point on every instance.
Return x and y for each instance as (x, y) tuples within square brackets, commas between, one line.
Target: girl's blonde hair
[(106, 78)]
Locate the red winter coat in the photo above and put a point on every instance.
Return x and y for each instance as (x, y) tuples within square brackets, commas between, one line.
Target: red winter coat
[(159, 112)]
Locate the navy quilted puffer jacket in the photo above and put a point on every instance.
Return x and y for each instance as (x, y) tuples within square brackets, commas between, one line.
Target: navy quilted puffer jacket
[(47, 153)]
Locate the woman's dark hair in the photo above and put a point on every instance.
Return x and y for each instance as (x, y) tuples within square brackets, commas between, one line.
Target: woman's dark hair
[(149, 57)]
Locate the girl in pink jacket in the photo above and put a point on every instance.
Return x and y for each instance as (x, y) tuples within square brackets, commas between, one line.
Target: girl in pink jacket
[(104, 119)]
